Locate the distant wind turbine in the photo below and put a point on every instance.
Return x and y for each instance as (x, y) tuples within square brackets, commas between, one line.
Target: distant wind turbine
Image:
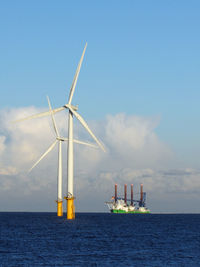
[(72, 111)]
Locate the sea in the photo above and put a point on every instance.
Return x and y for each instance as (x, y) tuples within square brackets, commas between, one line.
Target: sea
[(99, 239)]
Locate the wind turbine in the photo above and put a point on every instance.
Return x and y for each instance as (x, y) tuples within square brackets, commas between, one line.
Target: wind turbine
[(58, 140), (72, 112)]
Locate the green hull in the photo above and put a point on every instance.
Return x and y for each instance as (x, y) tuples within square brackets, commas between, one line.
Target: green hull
[(134, 211)]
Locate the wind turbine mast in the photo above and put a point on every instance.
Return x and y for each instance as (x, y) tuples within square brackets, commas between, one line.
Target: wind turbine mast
[(70, 171)]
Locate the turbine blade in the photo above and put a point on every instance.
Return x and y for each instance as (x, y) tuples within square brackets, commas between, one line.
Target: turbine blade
[(76, 76), (53, 119), (40, 114), (85, 143), (43, 155), (81, 142), (82, 121)]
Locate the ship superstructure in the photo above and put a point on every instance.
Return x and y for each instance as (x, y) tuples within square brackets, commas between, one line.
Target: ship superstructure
[(124, 205)]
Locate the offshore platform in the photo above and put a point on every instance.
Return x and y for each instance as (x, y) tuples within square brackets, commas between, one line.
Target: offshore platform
[(124, 205)]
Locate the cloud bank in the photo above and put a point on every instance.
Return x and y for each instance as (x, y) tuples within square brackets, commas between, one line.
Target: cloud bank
[(135, 154)]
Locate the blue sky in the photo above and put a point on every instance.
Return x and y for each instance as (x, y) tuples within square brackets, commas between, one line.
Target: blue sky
[(142, 59)]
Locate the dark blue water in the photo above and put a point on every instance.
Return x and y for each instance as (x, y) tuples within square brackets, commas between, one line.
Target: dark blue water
[(92, 239)]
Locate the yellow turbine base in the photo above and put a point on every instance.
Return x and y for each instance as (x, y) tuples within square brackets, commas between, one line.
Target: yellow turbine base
[(70, 208), (59, 208)]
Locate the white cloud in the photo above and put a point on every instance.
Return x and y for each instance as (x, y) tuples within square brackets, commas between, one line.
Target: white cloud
[(134, 155), (2, 144)]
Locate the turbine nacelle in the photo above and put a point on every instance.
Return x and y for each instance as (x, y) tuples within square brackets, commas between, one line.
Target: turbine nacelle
[(69, 106), (61, 139)]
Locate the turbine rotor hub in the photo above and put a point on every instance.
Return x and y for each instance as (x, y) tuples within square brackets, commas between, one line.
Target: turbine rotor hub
[(60, 138), (71, 106)]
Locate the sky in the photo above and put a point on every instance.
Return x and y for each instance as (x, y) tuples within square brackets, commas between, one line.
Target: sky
[(138, 90)]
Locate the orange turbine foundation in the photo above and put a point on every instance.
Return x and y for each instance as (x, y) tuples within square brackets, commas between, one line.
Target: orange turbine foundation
[(70, 208), (59, 208)]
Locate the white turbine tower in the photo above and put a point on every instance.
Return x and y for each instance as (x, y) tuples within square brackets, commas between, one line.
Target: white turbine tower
[(72, 112)]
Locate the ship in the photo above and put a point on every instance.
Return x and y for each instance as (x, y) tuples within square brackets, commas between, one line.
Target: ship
[(124, 205)]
